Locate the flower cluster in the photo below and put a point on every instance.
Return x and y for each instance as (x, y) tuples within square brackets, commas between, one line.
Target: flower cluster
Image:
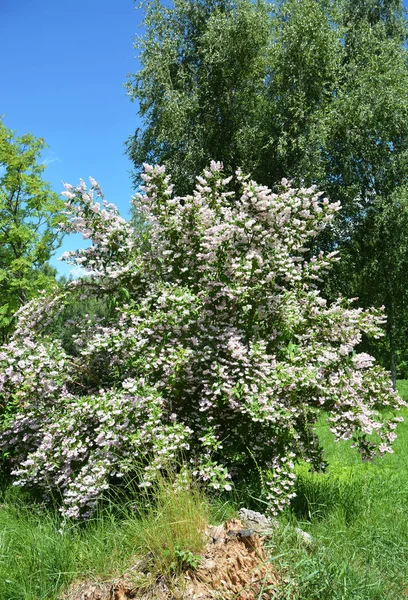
[(221, 349)]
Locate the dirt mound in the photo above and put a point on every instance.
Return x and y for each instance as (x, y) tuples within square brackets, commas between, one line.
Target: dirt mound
[(233, 565)]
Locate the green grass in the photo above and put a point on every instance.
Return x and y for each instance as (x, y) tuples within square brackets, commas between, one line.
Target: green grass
[(357, 514), (37, 558)]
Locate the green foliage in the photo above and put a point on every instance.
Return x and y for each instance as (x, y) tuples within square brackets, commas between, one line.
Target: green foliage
[(29, 216), (77, 313), (201, 87), (376, 268), (281, 89)]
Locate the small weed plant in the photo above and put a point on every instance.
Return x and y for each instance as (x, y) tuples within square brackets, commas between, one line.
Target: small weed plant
[(187, 559)]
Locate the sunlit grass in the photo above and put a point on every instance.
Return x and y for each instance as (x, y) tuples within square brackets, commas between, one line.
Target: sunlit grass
[(357, 514)]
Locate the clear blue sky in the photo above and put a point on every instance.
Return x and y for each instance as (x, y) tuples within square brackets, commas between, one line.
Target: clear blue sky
[(62, 69)]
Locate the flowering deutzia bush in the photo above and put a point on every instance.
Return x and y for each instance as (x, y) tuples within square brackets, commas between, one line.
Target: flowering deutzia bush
[(221, 349)]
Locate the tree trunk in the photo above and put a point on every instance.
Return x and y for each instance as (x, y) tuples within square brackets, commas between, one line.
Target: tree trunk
[(391, 330)]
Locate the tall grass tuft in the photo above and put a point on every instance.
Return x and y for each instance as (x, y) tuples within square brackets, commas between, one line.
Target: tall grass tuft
[(170, 528), (318, 496)]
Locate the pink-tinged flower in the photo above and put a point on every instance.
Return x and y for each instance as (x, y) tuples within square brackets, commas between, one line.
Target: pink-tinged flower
[(363, 360)]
